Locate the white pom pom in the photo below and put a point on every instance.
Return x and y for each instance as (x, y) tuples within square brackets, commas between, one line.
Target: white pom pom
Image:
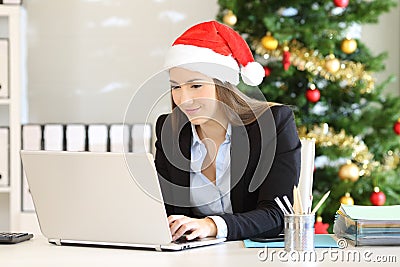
[(253, 73)]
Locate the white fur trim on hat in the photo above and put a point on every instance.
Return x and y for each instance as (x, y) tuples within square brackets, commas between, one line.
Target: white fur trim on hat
[(203, 60), (253, 73)]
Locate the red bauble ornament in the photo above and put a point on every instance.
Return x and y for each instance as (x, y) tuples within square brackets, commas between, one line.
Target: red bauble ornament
[(341, 3), (396, 127), (286, 58), (377, 197), (320, 227), (313, 94), (267, 71)]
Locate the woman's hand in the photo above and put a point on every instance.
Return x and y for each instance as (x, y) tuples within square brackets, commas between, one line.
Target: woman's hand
[(179, 225)]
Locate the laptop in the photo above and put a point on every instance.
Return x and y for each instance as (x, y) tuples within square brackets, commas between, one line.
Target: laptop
[(101, 199)]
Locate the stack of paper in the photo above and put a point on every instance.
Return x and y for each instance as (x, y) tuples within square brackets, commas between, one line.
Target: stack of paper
[(368, 225)]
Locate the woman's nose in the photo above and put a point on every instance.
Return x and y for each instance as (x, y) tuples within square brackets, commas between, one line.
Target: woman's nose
[(186, 96)]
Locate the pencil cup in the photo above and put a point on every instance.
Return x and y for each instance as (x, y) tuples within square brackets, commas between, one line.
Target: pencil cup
[(299, 232)]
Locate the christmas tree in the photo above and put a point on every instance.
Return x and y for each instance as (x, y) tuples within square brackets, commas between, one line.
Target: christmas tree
[(315, 62)]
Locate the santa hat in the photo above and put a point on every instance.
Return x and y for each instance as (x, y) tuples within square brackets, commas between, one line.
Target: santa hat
[(217, 51)]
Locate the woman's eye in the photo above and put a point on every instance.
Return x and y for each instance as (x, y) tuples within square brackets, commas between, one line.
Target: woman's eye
[(196, 86), (174, 87)]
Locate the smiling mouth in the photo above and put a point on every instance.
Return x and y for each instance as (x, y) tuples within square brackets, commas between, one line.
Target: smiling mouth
[(192, 110)]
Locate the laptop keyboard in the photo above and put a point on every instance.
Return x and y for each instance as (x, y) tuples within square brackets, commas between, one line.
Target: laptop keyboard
[(182, 240)]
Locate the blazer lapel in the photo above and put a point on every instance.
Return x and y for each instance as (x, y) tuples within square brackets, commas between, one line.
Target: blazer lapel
[(180, 172), (240, 152)]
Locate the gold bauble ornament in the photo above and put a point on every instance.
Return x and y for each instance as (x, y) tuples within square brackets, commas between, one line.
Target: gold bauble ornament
[(349, 171), (348, 46), (269, 42), (332, 64), (347, 199), (229, 18)]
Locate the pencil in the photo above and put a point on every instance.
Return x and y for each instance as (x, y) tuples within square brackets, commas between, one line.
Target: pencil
[(299, 200), (288, 204), (321, 202), (295, 201), (280, 204)]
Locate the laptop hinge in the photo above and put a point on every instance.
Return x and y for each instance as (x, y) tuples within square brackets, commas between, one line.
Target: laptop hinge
[(158, 248), (57, 242)]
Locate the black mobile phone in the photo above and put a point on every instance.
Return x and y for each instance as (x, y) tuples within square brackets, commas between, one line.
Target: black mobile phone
[(278, 238)]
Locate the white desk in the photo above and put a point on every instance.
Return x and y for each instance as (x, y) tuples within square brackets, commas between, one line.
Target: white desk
[(38, 252)]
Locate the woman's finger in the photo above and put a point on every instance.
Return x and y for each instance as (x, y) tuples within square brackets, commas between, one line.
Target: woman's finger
[(195, 234), (172, 218), (188, 226), (177, 224), (201, 230)]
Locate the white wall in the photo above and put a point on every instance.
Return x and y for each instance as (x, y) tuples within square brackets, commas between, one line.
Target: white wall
[(385, 36), (86, 58)]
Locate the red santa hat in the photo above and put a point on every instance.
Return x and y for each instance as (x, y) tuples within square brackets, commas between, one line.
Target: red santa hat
[(217, 51)]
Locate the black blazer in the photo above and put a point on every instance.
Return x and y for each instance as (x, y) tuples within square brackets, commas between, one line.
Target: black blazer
[(265, 163)]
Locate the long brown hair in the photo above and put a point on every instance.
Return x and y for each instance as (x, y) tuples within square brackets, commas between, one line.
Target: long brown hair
[(238, 105), (239, 108)]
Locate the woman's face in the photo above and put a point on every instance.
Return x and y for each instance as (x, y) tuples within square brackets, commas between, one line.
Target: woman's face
[(195, 95)]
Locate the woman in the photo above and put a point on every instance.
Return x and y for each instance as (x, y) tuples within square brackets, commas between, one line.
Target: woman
[(221, 156)]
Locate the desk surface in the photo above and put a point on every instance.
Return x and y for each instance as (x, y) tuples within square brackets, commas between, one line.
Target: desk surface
[(38, 252)]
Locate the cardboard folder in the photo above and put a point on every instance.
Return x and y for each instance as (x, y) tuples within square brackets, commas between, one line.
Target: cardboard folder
[(4, 157)]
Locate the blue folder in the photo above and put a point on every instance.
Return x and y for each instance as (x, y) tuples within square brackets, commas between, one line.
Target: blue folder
[(320, 241)]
